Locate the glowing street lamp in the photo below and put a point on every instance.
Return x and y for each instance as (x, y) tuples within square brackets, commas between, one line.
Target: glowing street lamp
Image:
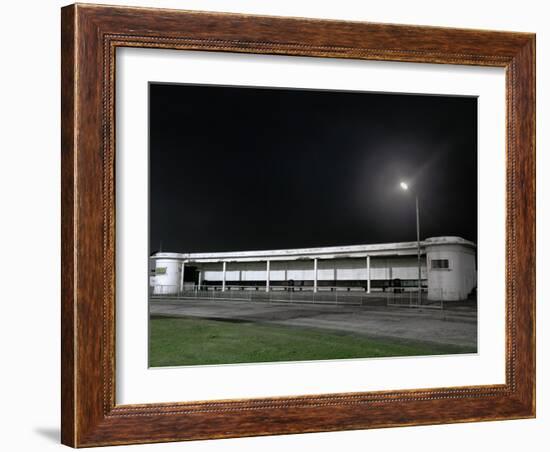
[(405, 187)]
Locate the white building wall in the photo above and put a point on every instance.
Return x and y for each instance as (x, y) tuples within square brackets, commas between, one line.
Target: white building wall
[(300, 270), (167, 281), (235, 271), (347, 269), (212, 272), (381, 268), (252, 271), (278, 271), (455, 282)]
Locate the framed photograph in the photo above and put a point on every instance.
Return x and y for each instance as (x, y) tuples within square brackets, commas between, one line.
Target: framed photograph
[(281, 225)]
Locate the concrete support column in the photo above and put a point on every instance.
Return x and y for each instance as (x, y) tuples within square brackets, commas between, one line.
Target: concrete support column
[(181, 276), (315, 275), (267, 271), (368, 274), (200, 279), (223, 278)]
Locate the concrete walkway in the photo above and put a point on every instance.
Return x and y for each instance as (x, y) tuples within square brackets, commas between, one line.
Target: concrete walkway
[(455, 326)]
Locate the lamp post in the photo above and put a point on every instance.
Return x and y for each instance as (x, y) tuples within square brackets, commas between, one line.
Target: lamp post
[(404, 186)]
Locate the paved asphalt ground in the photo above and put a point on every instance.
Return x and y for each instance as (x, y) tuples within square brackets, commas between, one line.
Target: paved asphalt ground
[(455, 325)]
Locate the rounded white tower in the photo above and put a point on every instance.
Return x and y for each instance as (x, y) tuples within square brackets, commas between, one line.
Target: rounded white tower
[(167, 279), (451, 265)]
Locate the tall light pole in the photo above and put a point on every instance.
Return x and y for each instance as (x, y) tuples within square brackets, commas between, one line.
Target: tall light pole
[(404, 186)]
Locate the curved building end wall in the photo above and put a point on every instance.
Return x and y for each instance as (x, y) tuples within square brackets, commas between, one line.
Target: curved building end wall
[(167, 277), (451, 266)]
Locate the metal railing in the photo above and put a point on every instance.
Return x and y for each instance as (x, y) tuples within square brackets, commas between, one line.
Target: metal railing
[(353, 296), (398, 297)]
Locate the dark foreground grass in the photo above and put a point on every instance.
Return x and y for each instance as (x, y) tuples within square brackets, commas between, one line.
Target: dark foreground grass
[(191, 341)]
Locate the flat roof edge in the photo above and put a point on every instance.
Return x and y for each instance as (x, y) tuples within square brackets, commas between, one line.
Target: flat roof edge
[(333, 251)]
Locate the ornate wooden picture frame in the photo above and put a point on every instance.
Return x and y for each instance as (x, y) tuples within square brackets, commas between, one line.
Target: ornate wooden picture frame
[(90, 37)]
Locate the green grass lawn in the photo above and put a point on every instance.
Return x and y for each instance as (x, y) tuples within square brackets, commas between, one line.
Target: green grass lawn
[(191, 341)]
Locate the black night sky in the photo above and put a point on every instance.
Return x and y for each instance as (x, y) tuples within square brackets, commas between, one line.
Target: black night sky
[(234, 169)]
